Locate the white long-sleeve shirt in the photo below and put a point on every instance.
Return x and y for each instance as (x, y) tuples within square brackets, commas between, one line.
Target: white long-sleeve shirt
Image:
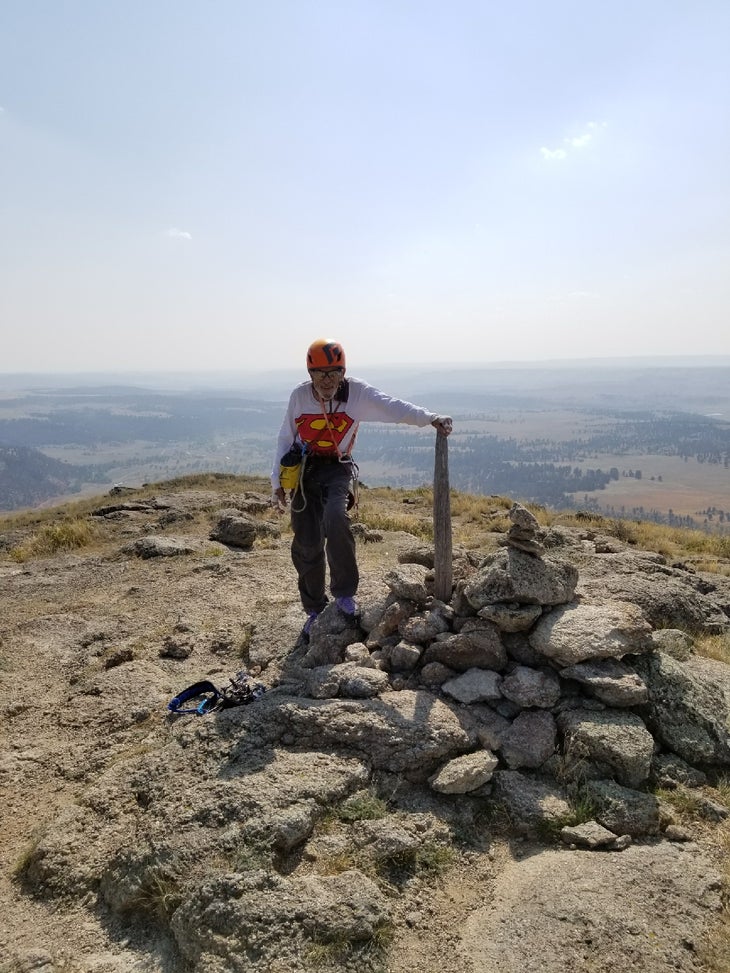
[(304, 420)]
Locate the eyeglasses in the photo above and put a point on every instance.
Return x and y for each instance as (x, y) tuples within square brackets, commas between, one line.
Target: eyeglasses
[(320, 373)]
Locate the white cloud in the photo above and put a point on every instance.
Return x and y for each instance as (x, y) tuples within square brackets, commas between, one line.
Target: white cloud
[(579, 141), (551, 154), (176, 234)]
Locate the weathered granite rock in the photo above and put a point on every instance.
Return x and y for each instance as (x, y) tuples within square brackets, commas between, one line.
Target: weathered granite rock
[(689, 706), (408, 582), (236, 530), (394, 616), (372, 611), (423, 628), (148, 547), (490, 726), (674, 642), (329, 637), (668, 597), (591, 835), (401, 657), (477, 645), (514, 576), (529, 803), (531, 687), (624, 810), (576, 633), (669, 770), (358, 652), (464, 774), (423, 555), (519, 649), (617, 739), (611, 681), (523, 518), (231, 916), (436, 674), (408, 732), (524, 534), (475, 686), (347, 680), (511, 617), (529, 741), (398, 837)]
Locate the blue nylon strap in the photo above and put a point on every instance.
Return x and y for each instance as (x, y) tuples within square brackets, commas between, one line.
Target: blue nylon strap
[(203, 688)]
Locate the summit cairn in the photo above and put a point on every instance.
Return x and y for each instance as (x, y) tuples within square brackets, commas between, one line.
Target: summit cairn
[(524, 534)]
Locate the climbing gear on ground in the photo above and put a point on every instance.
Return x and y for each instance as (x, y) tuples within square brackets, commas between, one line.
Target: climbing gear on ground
[(239, 692), (325, 353)]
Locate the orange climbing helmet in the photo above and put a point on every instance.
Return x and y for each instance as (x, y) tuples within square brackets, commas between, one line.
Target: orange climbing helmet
[(325, 353)]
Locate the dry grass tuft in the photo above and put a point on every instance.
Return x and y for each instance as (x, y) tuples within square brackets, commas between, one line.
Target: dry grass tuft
[(713, 647), (66, 535)]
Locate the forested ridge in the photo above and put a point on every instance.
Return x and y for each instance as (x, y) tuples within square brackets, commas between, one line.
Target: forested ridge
[(178, 433)]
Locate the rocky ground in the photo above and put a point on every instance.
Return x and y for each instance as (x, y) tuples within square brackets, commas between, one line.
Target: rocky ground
[(134, 840)]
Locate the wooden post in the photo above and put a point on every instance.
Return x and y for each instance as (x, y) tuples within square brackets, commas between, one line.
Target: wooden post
[(443, 568)]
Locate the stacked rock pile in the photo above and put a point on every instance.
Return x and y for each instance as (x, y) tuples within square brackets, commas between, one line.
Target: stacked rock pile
[(566, 695)]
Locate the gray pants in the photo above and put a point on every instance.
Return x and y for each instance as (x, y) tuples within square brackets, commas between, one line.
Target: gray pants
[(322, 531)]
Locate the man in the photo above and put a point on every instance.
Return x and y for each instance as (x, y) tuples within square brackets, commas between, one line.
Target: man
[(322, 420)]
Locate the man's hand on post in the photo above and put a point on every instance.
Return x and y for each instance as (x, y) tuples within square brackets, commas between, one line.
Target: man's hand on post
[(443, 425)]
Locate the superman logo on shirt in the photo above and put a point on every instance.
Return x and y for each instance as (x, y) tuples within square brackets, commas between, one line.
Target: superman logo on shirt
[(313, 430)]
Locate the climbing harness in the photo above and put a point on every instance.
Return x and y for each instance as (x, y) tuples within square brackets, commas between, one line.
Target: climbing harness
[(345, 458), (239, 692)]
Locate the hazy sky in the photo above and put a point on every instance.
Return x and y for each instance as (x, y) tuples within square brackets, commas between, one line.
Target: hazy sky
[(188, 184)]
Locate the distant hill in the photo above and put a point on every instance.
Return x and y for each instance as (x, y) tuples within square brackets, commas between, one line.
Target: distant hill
[(628, 439), (29, 478)]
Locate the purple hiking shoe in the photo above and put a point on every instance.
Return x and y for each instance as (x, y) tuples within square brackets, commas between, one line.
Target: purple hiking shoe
[(311, 617), (347, 605)]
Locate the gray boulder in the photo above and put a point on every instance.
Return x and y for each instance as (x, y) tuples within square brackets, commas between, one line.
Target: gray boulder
[(624, 810), (401, 657), (475, 686), (395, 614), (348, 680), (406, 732), (609, 680), (149, 547), (408, 582), (237, 918), (531, 687), (511, 617), (236, 530), (674, 642), (689, 706), (615, 739), (668, 597), (464, 774), (511, 575), (529, 741), (590, 835), (576, 633), (529, 803), (423, 628), (477, 645)]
